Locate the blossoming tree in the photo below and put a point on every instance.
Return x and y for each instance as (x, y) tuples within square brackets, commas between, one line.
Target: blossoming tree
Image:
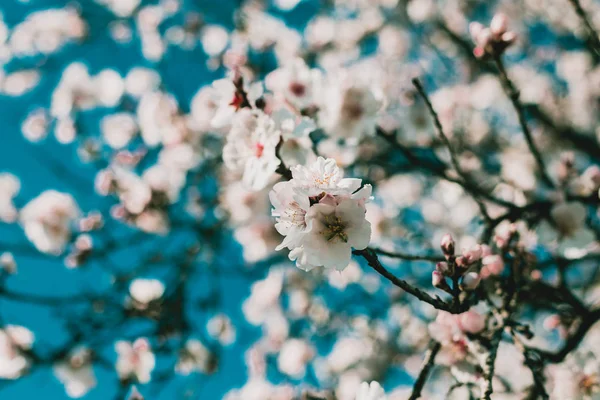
[(361, 200)]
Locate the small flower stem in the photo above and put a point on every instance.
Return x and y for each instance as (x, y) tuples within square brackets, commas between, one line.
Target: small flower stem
[(373, 261), (513, 94), (428, 363), (593, 40), (409, 257), (489, 367)]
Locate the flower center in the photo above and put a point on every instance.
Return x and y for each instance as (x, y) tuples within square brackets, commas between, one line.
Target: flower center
[(237, 101), (259, 149), (334, 228), (297, 89)]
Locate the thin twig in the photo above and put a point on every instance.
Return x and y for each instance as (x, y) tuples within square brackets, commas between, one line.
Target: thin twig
[(371, 257), (428, 362), (593, 40), (409, 257), (446, 141), (513, 95), (489, 367)]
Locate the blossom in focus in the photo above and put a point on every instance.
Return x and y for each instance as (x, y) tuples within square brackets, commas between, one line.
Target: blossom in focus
[(76, 373), (321, 215), (13, 341), (492, 40), (48, 219), (135, 360), (370, 391), (250, 148)]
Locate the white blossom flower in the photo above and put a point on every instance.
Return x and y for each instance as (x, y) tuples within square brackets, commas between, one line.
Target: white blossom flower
[(293, 357), (349, 110), (230, 100), (48, 219), (194, 357), (250, 148), (118, 129), (76, 373), (370, 391), (134, 360), (296, 84), (9, 188), (14, 339), (144, 291), (321, 215)]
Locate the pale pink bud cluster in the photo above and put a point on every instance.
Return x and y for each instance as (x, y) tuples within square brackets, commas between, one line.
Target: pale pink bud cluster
[(492, 40), (474, 264)]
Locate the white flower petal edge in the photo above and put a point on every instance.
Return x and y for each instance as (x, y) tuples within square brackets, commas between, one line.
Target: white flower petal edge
[(370, 391)]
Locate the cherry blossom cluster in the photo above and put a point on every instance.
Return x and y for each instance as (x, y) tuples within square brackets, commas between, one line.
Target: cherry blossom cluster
[(321, 215)]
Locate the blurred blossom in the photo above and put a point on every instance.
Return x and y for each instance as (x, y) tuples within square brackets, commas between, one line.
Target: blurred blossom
[(135, 360), (14, 342), (48, 220), (76, 373)]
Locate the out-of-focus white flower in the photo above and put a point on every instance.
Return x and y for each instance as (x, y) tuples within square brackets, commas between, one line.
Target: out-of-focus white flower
[(214, 39), (264, 297), (295, 84), (576, 378), (159, 119), (221, 328), (35, 126), (135, 360), (250, 148), (194, 357), (76, 373), (293, 357), (48, 219), (121, 8), (141, 80), (8, 263), (370, 391), (349, 110), (493, 40), (450, 330), (9, 188), (230, 98), (144, 291), (257, 388), (13, 340), (118, 129)]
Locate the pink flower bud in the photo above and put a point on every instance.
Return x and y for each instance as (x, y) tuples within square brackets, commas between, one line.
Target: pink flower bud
[(447, 244), (499, 24), (135, 394), (471, 322), (552, 322), (475, 29), (509, 37), (437, 279), (473, 254), (485, 250), (461, 262), (494, 264), (593, 174), (442, 267), (470, 281)]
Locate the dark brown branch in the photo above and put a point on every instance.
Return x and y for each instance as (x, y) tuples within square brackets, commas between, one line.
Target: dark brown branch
[(489, 366), (446, 141), (371, 257), (592, 36), (409, 257), (513, 95), (428, 363)]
